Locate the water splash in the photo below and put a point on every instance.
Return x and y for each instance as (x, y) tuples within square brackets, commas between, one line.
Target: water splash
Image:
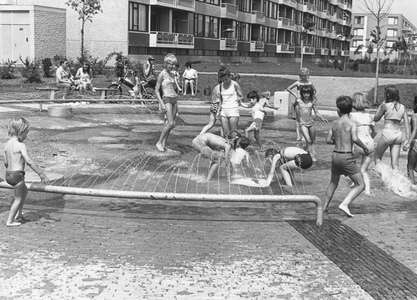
[(395, 181)]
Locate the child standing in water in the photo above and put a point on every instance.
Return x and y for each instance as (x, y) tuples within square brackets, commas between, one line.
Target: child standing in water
[(216, 103), (306, 104), (412, 153), (15, 158), (304, 80), (343, 134), (366, 133), (258, 106)]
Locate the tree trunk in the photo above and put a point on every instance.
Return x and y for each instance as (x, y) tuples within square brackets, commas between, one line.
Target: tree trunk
[(376, 77), (302, 52), (82, 34)]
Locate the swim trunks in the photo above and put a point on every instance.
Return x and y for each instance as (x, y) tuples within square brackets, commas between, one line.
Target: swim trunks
[(303, 161), (230, 112), (307, 124), (344, 163), (200, 144), (413, 145), (14, 177), (257, 123)]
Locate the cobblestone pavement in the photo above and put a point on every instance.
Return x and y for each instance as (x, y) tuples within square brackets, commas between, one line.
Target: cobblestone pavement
[(74, 247)]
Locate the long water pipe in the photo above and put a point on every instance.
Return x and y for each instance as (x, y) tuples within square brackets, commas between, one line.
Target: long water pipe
[(39, 187)]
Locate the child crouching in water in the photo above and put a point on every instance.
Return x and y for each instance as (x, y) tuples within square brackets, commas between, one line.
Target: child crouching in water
[(15, 157)]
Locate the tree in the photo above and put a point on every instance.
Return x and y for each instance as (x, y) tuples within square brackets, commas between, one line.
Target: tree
[(379, 9), (345, 36), (401, 47), (86, 10), (308, 25)]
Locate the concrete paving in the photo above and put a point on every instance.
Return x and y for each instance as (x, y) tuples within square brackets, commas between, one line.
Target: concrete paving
[(73, 247)]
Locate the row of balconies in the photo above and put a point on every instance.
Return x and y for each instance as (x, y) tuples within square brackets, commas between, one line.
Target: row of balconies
[(301, 5), (186, 41)]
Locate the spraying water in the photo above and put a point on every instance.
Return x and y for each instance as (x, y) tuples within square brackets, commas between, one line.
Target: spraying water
[(395, 181)]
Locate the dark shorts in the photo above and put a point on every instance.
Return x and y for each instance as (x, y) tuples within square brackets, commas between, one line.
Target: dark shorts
[(170, 100), (14, 177), (303, 161), (344, 164)]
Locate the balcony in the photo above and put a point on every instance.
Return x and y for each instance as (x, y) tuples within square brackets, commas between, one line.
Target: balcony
[(347, 6), (286, 23), (309, 7), (188, 5), (324, 51), (309, 50), (285, 48), (292, 3), (333, 35), (334, 52), (257, 46), (258, 17), (229, 11), (228, 44), (171, 40), (345, 52), (347, 22)]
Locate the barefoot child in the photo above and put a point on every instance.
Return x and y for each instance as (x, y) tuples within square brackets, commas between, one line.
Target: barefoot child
[(15, 157), (239, 155), (343, 133), (258, 106), (290, 158), (216, 103), (216, 148), (306, 104), (366, 133), (412, 152)]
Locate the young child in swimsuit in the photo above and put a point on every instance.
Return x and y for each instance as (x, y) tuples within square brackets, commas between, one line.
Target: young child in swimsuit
[(412, 153), (216, 103), (302, 81), (240, 155), (366, 133), (306, 104), (288, 159), (343, 134), (258, 106), (393, 112), (15, 158), (216, 148)]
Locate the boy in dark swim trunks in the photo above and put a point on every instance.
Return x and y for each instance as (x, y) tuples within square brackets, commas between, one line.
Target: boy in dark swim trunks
[(15, 157), (343, 133)]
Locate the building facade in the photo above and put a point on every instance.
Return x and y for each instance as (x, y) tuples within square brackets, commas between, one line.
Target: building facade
[(205, 30), (393, 27)]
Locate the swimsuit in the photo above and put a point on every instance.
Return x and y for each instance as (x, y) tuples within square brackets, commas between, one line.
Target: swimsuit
[(393, 136), (301, 158), (237, 156), (168, 88), (343, 163), (214, 108), (200, 144), (363, 121), (306, 108), (14, 177), (230, 103)]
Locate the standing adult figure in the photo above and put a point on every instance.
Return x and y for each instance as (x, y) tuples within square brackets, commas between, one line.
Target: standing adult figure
[(190, 77), (393, 112), (85, 76), (149, 71), (64, 78), (168, 99), (230, 95)]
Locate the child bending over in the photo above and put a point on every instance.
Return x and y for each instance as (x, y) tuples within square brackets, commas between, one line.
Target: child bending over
[(258, 106), (306, 104), (343, 134), (15, 158)]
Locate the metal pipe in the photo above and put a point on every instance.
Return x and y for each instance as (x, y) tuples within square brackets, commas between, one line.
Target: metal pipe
[(39, 187)]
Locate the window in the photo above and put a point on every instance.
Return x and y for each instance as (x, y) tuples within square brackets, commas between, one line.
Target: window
[(138, 17), (242, 31), (392, 32), (392, 21), (358, 31), (198, 25), (211, 27), (390, 44), (272, 34), (356, 43), (358, 20), (243, 5)]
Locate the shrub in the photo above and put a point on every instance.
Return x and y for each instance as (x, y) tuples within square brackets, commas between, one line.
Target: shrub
[(31, 71), (7, 71), (47, 65)]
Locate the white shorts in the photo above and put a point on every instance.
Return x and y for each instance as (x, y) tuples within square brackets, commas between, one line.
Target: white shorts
[(230, 112)]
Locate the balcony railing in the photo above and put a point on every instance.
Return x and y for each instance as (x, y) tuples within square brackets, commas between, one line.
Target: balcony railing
[(345, 52), (334, 52), (183, 4), (228, 44), (285, 22), (170, 39), (257, 46), (285, 48), (309, 50), (229, 11), (324, 51), (292, 3), (258, 17)]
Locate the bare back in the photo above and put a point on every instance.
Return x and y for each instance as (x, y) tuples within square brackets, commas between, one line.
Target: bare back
[(14, 152), (343, 133)]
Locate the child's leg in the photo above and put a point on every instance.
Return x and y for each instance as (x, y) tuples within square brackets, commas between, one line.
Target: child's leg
[(258, 141), (297, 131), (249, 129), (213, 168), (19, 213), (354, 192), (210, 125), (366, 161), (286, 171), (395, 156), (411, 164), (167, 127), (225, 125), (20, 192), (380, 148), (331, 188)]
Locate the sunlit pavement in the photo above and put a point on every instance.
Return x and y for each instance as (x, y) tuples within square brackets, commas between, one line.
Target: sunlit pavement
[(90, 248)]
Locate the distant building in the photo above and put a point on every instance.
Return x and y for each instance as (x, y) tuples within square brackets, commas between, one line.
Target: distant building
[(393, 27), (208, 30)]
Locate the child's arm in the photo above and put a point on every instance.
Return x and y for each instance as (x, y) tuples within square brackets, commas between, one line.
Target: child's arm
[(265, 103), (407, 132), (317, 113), (380, 112), (356, 140), (6, 162), (31, 163), (227, 149), (275, 159), (247, 158), (292, 86), (239, 91), (413, 133), (330, 136)]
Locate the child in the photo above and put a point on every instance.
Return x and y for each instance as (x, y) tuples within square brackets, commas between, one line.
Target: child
[(15, 157), (290, 158), (216, 103), (412, 153), (304, 80), (366, 133), (306, 104), (239, 155), (258, 113), (212, 146), (343, 133)]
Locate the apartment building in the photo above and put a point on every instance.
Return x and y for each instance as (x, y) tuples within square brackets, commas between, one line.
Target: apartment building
[(394, 26), (226, 30)]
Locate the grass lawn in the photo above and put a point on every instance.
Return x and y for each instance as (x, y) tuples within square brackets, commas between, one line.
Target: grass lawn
[(407, 93)]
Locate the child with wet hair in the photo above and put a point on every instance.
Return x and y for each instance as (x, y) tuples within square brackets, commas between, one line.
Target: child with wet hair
[(15, 157), (239, 154), (258, 106)]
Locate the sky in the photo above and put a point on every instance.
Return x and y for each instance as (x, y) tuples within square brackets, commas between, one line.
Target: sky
[(408, 8)]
